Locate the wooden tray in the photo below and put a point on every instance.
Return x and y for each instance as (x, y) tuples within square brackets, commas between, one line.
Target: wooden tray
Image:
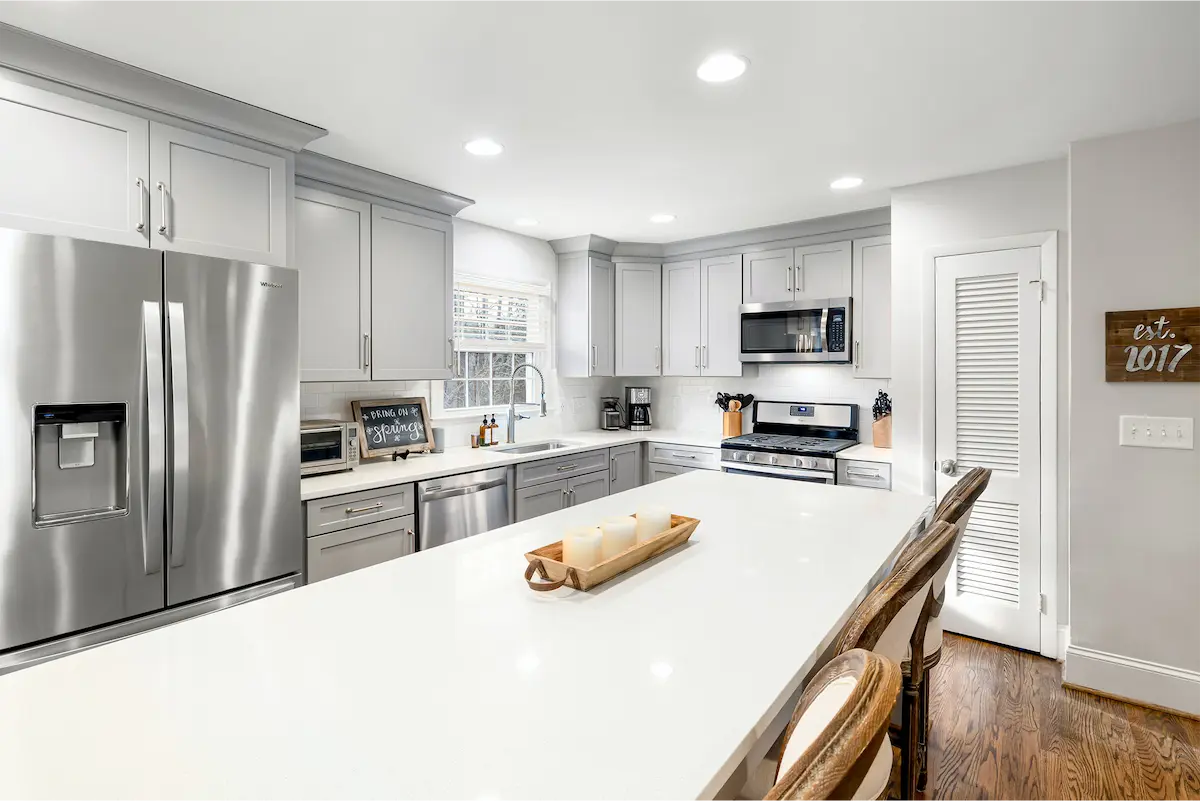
[(547, 563)]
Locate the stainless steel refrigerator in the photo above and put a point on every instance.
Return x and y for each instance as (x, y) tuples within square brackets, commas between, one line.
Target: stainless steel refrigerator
[(150, 410)]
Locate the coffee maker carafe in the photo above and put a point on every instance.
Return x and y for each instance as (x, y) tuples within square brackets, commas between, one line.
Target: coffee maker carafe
[(637, 406)]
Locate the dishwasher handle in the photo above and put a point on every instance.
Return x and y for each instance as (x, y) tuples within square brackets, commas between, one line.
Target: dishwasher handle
[(453, 492)]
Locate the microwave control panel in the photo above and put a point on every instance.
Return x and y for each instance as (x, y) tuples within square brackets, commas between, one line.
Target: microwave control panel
[(837, 331)]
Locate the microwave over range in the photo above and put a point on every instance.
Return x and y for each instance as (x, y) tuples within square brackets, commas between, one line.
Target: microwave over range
[(797, 331)]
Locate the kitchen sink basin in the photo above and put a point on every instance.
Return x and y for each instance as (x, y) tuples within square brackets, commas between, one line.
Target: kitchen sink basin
[(537, 447)]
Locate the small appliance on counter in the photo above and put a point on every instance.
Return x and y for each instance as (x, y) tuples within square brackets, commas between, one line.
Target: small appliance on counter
[(796, 441), (637, 405), (610, 414), (327, 446)]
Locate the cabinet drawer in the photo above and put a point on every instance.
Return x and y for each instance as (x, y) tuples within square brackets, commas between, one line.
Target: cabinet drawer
[(357, 508), (864, 474), (685, 456), (333, 554), (561, 467)]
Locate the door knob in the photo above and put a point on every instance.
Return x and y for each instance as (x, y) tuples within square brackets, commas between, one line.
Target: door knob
[(948, 466)]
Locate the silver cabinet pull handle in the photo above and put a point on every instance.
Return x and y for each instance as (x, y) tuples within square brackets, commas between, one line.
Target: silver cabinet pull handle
[(450, 363), (593, 355), (353, 510), (697, 355), (366, 350), (141, 190), (566, 467), (612, 469), (571, 497), (704, 355), (656, 359), (852, 471), (788, 279), (684, 455), (857, 354), (157, 425), (180, 436), (162, 194)]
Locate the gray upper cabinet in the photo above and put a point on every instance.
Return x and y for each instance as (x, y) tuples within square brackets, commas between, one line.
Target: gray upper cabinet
[(767, 276), (215, 198), (412, 283), (681, 317), (873, 307), (638, 332), (70, 168), (586, 311), (720, 317), (625, 467), (333, 255), (822, 271)]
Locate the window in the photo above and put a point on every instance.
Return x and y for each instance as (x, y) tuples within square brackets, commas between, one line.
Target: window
[(498, 326)]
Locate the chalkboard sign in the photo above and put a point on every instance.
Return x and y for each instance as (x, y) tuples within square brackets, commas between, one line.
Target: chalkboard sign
[(392, 426)]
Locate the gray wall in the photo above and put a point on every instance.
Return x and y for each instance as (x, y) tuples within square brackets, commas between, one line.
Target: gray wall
[(1135, 513), (1019, 200)]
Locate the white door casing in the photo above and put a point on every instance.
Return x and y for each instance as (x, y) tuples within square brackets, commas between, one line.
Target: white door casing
[(989, 388)]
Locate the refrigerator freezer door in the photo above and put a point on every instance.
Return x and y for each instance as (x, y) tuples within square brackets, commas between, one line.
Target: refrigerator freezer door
[(233, 396), (79, 322)]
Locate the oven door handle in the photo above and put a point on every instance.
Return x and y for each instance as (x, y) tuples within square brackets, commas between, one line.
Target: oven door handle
[(781, 472)]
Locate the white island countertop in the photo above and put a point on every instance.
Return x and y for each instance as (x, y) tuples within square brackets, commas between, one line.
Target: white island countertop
[(420, 467), (441, 675), (866, 452)]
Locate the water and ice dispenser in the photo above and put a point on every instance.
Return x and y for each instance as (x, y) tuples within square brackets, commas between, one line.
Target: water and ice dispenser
[(79, 462)]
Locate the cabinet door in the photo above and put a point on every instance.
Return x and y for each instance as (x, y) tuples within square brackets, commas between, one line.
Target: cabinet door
[(720, 319), (582, 489), (661, 472), (767, 276), (412, 282), (638, 319), (625, 468), (214, 198), (72, 169), (541, 499), (600, 316), (873, 308), (681, 318), (341, 552), (333, 255), (823, 271)]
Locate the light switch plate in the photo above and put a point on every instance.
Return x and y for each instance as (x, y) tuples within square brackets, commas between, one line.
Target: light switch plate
[(1156, 432)]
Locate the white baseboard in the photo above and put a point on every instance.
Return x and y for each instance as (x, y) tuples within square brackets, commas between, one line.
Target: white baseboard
[(1135, 679), (1064, 641)]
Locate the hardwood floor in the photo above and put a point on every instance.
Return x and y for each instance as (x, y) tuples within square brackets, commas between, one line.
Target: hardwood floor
[(1002, 726)]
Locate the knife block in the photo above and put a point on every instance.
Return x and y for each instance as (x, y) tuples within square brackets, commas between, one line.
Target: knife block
[(881, 432), (731, 425)]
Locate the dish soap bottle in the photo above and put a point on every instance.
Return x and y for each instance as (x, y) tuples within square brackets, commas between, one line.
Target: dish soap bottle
[(493, 427), (483, 433)]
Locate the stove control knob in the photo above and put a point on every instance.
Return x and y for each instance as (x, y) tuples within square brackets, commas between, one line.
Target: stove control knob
[(774, 460)]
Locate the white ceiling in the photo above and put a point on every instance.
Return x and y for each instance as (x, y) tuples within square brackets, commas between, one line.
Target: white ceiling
[(604, 122)]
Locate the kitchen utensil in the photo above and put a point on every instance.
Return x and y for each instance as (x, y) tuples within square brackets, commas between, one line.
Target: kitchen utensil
[(735, 405)]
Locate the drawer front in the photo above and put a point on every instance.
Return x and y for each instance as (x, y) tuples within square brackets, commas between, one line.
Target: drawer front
[(685, 456), (333, 554), (864, 474), (358, 508), (561, 467)]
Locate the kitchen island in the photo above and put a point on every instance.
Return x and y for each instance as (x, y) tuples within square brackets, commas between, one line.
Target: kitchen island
[(441, 675)]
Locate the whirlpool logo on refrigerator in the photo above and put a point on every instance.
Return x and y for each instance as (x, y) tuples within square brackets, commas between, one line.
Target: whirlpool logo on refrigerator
[(270, 285)]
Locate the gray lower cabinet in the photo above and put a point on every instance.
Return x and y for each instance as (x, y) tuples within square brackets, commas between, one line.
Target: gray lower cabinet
[(582, 489), (659, 472), (541, 499), (350, 549), (624, 467)]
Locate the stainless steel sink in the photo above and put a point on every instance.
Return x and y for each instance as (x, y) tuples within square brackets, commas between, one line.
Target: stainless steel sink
[(537, 447)]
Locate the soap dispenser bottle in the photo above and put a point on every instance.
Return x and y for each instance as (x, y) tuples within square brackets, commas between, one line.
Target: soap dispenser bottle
[(483, 433)]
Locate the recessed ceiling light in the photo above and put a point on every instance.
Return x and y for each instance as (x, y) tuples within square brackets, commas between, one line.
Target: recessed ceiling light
[(526, 221), (484, 147), (662, 218), (849, 182), (721, 67)]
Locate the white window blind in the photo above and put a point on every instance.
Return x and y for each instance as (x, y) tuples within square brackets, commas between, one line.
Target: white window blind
[(500, 316)]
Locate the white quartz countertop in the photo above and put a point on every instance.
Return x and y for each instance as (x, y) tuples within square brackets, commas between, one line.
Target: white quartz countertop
[(420, 467), (866, 452), (441, 675)]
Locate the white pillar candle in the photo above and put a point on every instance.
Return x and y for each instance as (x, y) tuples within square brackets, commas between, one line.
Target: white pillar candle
[(652, 521), (620, 534), (582, 546)]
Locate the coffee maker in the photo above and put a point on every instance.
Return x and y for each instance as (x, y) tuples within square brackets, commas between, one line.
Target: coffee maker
[(610, 414), (637, 405)]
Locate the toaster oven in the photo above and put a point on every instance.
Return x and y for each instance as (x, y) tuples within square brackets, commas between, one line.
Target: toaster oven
[(327, 446)]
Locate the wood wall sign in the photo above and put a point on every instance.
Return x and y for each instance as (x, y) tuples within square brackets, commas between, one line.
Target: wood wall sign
[(1152, 345)]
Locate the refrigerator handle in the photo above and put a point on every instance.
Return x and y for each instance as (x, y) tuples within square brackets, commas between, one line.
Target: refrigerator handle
[(178, 488), (156, 446)]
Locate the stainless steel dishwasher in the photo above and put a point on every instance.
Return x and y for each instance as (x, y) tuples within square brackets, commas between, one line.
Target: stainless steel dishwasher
[(457, 507)]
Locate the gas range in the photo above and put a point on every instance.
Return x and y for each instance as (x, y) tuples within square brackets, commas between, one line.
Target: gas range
[(793, 440)]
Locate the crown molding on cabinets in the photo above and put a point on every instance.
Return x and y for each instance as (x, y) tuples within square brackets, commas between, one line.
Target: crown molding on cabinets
[(331, 172), (589, 242), (60, 63), (832, 228)]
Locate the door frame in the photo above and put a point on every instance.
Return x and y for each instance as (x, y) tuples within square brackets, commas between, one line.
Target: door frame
[(1047, 242)]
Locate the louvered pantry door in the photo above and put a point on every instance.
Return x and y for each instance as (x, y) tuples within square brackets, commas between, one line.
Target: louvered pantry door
[(987, 415)]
